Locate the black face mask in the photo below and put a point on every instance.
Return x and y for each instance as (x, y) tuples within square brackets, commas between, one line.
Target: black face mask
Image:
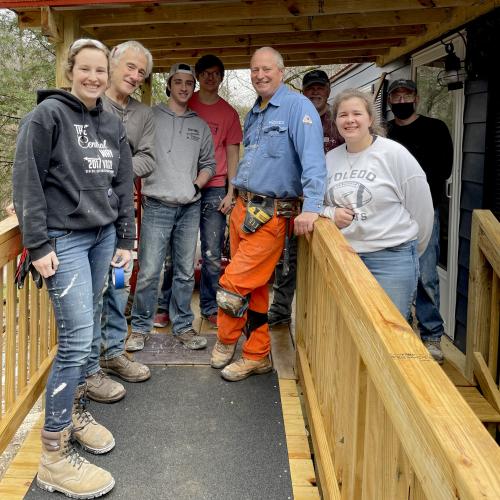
[(403, 110)]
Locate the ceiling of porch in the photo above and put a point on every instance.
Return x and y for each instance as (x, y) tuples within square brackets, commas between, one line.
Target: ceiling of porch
[(306, 32)]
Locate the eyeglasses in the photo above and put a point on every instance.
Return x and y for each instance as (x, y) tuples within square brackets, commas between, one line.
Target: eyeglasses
[(208, 74), (395, 98)]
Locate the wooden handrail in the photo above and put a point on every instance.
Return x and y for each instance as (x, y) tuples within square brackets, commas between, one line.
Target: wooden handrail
[(394, 422), (483, 304), (28, 338)]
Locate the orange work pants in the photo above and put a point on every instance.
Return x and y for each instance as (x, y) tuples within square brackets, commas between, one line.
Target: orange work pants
[(253, 259)]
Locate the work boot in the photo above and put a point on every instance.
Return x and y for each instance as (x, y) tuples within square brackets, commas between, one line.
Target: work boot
[(191, 339), (434, 348), (135, 342), (161, 319), (103, 389), (274, 319), (62, 469), (222, 354), (92, 436), (126, 369), (244, 367), (211, 318)]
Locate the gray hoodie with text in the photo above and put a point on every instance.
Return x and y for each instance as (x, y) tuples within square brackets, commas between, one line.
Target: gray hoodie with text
[(184, 147)]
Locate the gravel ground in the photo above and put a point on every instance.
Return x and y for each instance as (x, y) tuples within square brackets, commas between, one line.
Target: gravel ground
[(10, 452)]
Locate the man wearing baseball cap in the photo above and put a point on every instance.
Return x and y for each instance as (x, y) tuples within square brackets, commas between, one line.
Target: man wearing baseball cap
[(171, 218), (429, 141), (316, 87)]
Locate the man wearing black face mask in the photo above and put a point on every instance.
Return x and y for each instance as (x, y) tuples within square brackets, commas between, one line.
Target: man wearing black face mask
[(429, 141)]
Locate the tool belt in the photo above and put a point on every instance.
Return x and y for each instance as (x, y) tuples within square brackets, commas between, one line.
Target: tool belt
[(284, 207)]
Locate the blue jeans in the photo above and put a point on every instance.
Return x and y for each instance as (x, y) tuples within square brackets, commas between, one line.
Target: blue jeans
[(165, 227), (166, 287), (430, 322), (396, 270), (110, 342), (75, 291), (212, 228)]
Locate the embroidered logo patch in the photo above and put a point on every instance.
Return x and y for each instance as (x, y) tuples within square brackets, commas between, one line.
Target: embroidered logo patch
[(307, 120)]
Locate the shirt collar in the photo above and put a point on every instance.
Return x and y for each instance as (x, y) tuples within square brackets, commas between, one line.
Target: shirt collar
[(275, 99)]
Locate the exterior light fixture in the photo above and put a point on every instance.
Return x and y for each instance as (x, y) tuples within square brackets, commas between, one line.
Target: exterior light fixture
[(453, 75)]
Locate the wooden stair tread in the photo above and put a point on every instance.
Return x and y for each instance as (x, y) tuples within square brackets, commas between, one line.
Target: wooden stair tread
[(484, 411)]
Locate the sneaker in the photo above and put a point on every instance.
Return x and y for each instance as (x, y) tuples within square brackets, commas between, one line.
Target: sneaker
[(103, 389), (126, 369), (222, 354), (162, 319), (211, 318), (274, 319), (92, 436), (244, 367), (135, 342), (434, 348), (191, 339), (62, 468)]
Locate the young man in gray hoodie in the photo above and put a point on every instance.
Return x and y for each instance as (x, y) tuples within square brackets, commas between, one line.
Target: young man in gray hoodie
[(171, 218)]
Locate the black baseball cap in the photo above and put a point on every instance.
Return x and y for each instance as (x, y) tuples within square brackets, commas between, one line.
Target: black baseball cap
[(401, 83), (315, 77)]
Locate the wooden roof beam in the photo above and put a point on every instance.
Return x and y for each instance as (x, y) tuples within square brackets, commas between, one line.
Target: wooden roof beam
[(153, 14), (276, 25), (287, 56), (306, 62), (208, 43), (226, 52)]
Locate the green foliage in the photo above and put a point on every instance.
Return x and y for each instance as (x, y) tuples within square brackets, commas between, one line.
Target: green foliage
[(28, 63), (435, 101)]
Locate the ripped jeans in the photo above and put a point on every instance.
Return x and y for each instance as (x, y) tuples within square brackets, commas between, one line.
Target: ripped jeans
[(75, 291)]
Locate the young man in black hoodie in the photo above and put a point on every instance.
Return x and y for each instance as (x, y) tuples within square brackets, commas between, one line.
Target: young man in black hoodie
[(429, 141)]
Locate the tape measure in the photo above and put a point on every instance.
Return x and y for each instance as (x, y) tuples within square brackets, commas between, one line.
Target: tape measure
[(118, 277)]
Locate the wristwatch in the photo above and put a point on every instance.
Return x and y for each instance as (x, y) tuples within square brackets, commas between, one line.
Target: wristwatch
[(196, 188)]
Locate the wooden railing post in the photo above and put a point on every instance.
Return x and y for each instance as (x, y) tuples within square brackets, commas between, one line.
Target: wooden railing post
[(481, 309), (30, 337)]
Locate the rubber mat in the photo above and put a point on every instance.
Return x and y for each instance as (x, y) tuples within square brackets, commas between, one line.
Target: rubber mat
[(186, 434), (164, 349)]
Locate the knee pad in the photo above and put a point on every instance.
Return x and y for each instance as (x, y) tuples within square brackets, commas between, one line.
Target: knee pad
[(231, 303), (254, 320)]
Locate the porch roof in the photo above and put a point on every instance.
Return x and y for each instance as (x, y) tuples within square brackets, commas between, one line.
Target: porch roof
[(306, 32)]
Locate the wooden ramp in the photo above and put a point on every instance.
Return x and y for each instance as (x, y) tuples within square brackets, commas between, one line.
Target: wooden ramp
[(298, 472)]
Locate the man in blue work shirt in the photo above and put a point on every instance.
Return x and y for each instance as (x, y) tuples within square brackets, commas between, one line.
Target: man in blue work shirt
[(283, 161)]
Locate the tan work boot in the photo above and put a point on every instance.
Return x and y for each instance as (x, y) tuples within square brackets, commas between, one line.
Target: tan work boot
[(244, 367), (135, 342), (103, 389), (222, 354), (125, 368), (434, 348), (92, 436), (62, 469), (191, 340)]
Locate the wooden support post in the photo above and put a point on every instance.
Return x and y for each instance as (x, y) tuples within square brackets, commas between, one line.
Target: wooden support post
[(494, 327), (51, 25), (478, 309), (147, 88), (68, 25)]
